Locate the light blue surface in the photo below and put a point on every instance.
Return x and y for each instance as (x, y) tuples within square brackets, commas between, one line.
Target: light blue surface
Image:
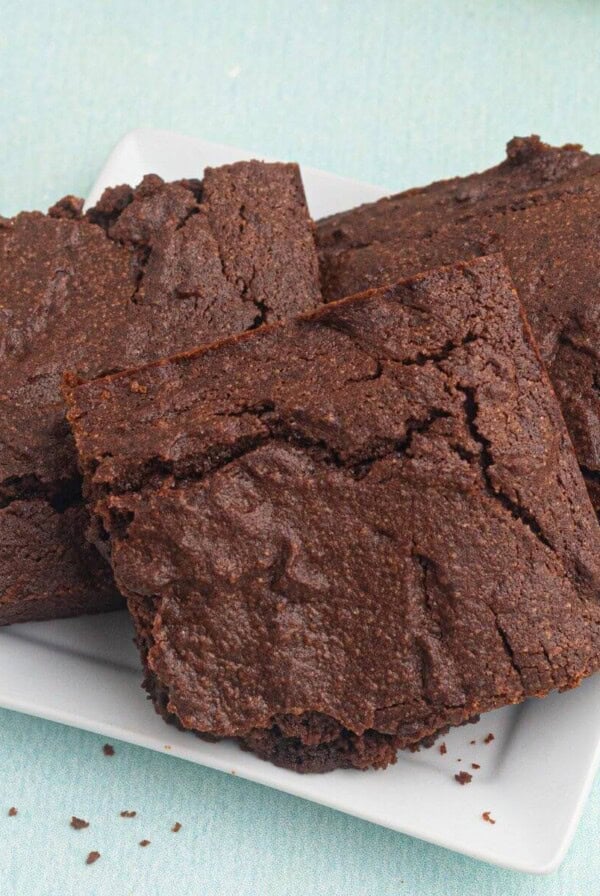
[(389, 92)]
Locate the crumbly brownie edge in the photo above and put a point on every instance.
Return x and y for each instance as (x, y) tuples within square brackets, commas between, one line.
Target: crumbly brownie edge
[(373, 749)]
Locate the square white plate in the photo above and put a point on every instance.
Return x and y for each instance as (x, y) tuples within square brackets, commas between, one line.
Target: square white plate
[(534, 775)]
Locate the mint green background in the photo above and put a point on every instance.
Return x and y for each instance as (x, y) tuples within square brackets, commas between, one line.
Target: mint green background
[(396, 93)]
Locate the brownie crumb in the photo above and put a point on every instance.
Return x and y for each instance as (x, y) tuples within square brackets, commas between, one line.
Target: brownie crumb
[(144, 843), (459, 760), (487, 816), (12, 811), (472, 742), (463, 778), (443, 749), (489, 738), (92, 857), (69, 207), (128, 814), (78, 823), (475, 765), (108, 750), (176, 827)]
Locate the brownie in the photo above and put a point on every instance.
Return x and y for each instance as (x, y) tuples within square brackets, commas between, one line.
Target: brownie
[(540, 207), (341, 534), (531, 167), (145, 273)]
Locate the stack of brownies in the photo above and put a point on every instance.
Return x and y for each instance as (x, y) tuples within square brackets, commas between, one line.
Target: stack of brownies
[(339, 526)]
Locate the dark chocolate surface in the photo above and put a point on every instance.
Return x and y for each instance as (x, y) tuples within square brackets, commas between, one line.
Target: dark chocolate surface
[(339, 535)]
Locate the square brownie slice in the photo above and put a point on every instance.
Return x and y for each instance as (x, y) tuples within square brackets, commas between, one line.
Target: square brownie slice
[(540, 208), (145, 273), (341, 534)]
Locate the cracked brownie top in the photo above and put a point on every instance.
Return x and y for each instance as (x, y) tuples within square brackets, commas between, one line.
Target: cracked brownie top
[(540, 208), (372, 513), (147, 272)]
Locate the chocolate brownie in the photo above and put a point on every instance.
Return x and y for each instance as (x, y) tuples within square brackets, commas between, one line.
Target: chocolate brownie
[(541, 208), (145, 273), (341, 534), (530, 166)]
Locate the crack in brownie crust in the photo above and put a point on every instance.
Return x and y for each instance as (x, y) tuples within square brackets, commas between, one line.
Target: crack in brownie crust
[(540, 208), (146, 272), (340, 535)]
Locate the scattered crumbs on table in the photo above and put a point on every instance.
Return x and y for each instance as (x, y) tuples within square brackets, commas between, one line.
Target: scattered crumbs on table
[(472, 742), (443, 749), (12, 812), (463, 778), (93, 856), (128, 813), (459, 760), (487, 816), (168, 747), (475, 765), (176, 827), (233, 771), (488, 738), (144, 843), (108, 750), (78, 823)]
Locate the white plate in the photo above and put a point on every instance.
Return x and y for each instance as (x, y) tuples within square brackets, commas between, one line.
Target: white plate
[(534, 776)]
